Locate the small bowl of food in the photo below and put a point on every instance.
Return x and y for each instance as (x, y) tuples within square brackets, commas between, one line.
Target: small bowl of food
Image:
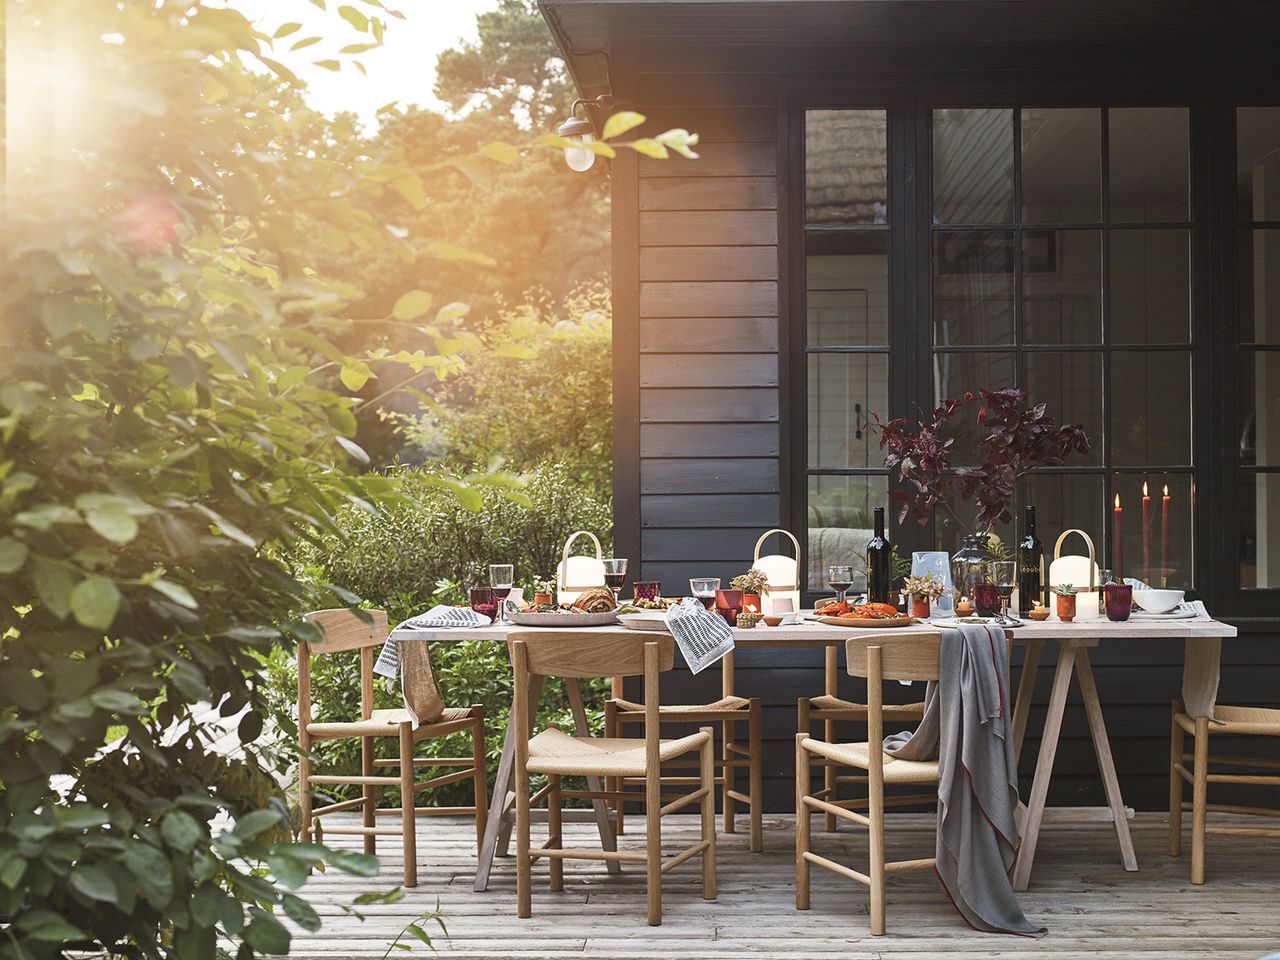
[(1158, 601)]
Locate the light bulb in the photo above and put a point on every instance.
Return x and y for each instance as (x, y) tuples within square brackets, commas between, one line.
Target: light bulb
[(579, 158)]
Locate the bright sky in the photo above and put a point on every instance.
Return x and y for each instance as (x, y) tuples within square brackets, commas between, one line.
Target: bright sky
[(402, 70)]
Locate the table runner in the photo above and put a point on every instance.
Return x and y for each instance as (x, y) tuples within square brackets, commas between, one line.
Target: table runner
[(966, 728)]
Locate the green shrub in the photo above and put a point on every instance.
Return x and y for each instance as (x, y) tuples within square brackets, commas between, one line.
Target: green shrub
[(421, 551)]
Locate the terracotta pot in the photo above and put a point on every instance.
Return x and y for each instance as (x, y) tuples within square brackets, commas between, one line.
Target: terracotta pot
[(1066, 608), (751, 602), (920, 608)]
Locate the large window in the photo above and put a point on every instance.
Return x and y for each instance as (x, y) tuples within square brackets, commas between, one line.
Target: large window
[(1045, 248)]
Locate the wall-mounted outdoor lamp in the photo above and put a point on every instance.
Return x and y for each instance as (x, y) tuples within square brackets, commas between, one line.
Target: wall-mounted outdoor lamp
[(581, 130)]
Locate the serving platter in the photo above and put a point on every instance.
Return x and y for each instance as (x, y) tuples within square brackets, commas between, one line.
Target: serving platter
[(647, 620), (563, 619), (868, 622)]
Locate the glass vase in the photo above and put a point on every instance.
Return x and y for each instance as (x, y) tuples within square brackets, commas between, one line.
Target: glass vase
[(971, 564)]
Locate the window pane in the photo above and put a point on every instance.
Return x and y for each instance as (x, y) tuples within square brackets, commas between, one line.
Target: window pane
[(972, 287), (843, 390), (1258, 160), (845, 166), (1259, 266), (1061, 166), (1150, 163), (1260, 531), (1150, 409), (1259, 385), (1071, 385), (1065, 502), (973, 166), (847, 293), (955, 374), (1150, 286), (1062, 286), (949, 531), (840, 524), (1161, 555)]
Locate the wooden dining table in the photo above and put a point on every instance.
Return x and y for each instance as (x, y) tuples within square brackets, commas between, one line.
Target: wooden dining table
[(1202, 639)]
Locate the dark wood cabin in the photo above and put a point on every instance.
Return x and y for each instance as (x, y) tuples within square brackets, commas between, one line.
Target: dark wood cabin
[(901, 200)]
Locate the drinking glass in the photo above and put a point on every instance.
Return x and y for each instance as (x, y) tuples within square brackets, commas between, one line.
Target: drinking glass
[(1119, 598), (648, 589), (986, 599), (483, 602), (1006, 576), (615, 575), (840, 580), (501, 579), (704, 588)]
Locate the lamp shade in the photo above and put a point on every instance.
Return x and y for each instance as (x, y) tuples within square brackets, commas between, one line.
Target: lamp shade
[(578, 130), (1081, 572), (783, 574)]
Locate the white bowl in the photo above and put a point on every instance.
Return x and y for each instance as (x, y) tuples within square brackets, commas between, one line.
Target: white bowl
[(1158, 601)]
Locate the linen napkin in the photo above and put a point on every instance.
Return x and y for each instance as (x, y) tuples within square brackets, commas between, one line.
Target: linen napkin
[(702, 636), (439, 617)]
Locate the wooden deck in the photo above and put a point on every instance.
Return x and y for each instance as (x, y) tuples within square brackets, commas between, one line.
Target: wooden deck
[(1079, 891)]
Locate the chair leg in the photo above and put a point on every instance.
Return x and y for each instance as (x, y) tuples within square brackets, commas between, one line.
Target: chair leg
[(755, 769), (555, 838), (802, 822), (367, 791), (708, 755), (730, 779), (408, 815), (480, 773), (653, 843), (613, 784), (304, 793), (830, 784), (1199, 799), (1177, 747), (524, 882), (875, 812)]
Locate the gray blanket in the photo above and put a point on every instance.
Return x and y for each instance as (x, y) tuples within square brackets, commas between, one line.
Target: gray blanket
[(966, 728)]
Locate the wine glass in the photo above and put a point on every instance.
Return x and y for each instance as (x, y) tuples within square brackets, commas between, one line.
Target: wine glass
[(615, 575), (1006, 577), (501, 579), (840, 579), (704, 588)]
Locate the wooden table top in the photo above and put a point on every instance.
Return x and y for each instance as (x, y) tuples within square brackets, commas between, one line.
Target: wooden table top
[(813, 634)]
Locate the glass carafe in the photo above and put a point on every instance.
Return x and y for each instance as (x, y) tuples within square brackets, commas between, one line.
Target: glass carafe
[(971, 564)]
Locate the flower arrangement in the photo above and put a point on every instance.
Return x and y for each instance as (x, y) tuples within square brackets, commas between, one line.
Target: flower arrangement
[(924, 588), (753, 581), (1019, 439)]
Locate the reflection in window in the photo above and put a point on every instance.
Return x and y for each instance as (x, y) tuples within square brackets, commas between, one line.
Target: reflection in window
[(1258, 162), (1151, 286), (954, 375), (840, 524), (1150, 163), (1150, 408), (1159, 551), (1061, 166), (1260, 531), (845, 167), (1062, 286), (1259, 269), (973, 166), (972, 287), (843, 390), (1071, 384), (847, 290)]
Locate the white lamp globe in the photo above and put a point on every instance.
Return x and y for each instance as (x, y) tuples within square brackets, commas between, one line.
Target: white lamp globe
[(578, 157)]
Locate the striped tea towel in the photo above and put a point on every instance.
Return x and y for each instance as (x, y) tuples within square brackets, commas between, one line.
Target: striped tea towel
[(439, 617), (703, 636)]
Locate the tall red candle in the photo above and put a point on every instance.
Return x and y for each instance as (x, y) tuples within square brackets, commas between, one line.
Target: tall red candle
[(1164, 537), (1117, 516), (1146, 535)]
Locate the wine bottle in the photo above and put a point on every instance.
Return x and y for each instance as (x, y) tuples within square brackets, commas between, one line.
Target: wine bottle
[(880, 564), (1030, 565)]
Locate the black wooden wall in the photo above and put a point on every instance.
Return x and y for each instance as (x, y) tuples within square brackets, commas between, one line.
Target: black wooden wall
[(701, 390)]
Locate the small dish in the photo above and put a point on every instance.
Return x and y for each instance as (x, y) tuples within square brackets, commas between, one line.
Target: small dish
[(772, 619)]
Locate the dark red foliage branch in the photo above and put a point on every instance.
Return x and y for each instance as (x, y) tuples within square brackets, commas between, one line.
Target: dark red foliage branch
[(1018, 439)]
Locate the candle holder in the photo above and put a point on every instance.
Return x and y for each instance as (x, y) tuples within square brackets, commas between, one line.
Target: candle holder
[(729, 605), (1119, 599)]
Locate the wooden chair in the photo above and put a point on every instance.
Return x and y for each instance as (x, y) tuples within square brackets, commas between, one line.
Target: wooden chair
[(876, 660), (1233, 721), (729, 710), (344, 632), (830, 709), (552, 753)]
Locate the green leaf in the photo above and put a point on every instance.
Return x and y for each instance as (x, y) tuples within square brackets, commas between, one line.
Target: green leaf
[(13, 554), (94, 602), (117, 701), (290, 872), (355, 374), (410, 187), (649, 147), (304, 43), (175, 592), (80, 817), (416, 931), (181, 830), (354, 17), (256, 821), (500, 151), (448, 251), (265, 933), (93, 882), (12, 871), (109, 516), (353, 448), (300, 912), (333, 65), (53, 586), (285, 29), (47, 926), (250, 727), (151, 869), (451, 312), (412, 305), (46, 515), (620, 123), (359, 864)]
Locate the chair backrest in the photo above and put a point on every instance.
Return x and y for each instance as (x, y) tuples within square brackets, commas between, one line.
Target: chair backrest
[(910, 658), (343, 632), (615, 653)]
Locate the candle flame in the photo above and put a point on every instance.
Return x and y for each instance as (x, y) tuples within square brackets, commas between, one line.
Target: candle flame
[(1166, 489), (1117, 501), (1144, 488)]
